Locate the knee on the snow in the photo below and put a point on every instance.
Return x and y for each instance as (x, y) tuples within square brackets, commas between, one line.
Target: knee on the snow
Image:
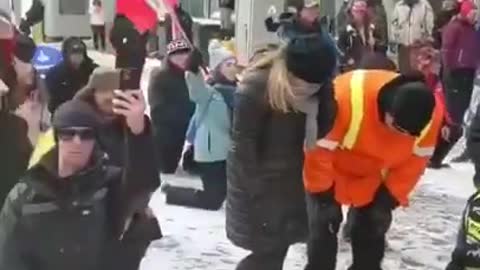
[(214, 204)]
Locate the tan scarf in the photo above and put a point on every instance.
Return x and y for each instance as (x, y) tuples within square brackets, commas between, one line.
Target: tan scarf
[(306, 101)]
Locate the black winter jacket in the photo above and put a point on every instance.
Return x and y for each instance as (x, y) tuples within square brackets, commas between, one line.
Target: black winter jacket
[(168, 94), (78, 223), (15, 151), (171, 110), (466, 254), (63, 82), (353, 47), (130, 152), (265, 194), (52, 223)]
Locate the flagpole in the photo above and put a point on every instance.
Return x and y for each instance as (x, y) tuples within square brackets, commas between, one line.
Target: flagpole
[(176, 21)]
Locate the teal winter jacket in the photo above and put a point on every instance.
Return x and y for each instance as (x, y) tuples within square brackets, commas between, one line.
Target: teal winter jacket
[(213, 119)]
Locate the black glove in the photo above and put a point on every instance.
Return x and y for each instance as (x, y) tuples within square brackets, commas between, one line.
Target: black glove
[(25, 27), (384, 198), (195, 60)]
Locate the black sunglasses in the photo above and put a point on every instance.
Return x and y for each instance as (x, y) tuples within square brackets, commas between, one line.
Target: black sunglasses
[(68, 134)]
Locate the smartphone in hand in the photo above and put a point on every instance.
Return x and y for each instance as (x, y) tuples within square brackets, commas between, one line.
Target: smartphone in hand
[(130, 78)]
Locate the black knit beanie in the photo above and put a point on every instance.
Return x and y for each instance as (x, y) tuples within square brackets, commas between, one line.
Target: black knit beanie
[(413, 106), (75, 113), (312, 57)]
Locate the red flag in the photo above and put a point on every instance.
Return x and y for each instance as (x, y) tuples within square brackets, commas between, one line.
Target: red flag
[(139, 13)]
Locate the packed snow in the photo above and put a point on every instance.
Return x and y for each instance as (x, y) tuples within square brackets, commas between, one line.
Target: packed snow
[(422, 236)]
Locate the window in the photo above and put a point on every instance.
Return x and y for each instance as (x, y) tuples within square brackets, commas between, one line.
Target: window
[(73, 7)]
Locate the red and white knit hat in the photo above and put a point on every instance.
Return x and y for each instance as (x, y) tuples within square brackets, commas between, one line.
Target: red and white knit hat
[(178, 45)]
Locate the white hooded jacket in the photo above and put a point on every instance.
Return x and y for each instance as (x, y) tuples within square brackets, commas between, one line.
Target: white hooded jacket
[(411, 23)]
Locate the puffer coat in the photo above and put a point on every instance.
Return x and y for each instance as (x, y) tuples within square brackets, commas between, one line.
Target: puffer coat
[(265, 195)]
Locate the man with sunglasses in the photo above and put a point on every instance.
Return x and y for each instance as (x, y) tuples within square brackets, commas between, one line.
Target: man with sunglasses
[(371, 158), (68, 211)]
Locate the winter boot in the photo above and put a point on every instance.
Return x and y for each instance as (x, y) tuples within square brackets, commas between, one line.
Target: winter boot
[(182, 196), (441, 151), (438, 166)]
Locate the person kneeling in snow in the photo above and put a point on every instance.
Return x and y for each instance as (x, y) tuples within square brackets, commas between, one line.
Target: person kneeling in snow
[(210, 129)]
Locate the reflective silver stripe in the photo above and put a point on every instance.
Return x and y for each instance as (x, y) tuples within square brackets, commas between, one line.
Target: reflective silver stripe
[(328, 144), (39, 208), (423, 151)]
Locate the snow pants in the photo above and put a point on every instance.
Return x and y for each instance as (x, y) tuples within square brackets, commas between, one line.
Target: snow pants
[(458, 85), (265, 260), (214, 179), (369, 226), (169, 152), (467, 250), (169, 138)]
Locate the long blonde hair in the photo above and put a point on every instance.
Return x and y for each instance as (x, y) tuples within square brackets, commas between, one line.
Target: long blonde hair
[(279, 88)]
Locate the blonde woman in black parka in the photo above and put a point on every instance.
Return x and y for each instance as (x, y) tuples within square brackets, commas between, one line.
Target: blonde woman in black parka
[(277, 106)]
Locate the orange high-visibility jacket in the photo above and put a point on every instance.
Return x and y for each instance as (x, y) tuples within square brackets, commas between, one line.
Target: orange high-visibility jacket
[(360, 152)]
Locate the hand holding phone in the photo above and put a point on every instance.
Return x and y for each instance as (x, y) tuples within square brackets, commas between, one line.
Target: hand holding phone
[(131, 104), (130, 78)]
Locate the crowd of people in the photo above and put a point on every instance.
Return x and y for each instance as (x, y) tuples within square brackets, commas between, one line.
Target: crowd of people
[(310, 125)]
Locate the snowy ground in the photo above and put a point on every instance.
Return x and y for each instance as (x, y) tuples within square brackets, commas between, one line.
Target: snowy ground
[(422, 236)]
